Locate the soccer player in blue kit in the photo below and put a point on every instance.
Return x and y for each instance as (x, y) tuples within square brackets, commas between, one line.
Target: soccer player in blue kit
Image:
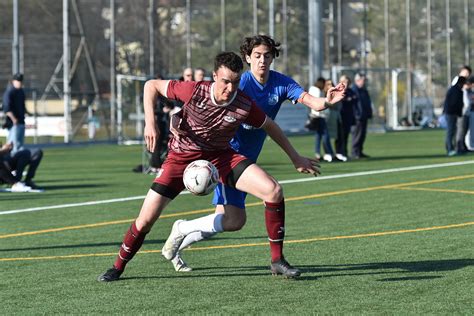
[(269, 89)]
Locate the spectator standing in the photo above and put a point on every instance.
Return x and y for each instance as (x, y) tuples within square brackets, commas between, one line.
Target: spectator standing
[(187, 74), (15, 110), (334, 123), (471, 113), (199, 74), (453, 106), (347, 119), (463, 121), (321, 128), (465, 71), (362, 114)]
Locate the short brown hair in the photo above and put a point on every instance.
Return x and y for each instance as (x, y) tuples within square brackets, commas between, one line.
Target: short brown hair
[(229, 60)]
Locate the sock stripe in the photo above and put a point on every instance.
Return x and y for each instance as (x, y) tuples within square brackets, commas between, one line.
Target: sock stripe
[(275, 240)]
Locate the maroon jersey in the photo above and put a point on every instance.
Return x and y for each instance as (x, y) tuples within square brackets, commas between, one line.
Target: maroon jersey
[(206, 125)]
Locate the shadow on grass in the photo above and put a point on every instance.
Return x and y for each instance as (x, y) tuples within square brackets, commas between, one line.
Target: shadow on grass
[(331, 271), (90, 245), (413, 266), (71, 186), (388, 267)]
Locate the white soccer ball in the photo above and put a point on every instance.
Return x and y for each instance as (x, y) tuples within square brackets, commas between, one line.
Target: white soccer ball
[(200, 177)]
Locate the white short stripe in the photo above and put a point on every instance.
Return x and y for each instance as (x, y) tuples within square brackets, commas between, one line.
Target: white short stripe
[(224, 194)]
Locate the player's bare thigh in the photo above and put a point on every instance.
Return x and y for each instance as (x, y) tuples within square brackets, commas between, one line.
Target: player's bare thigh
[(234, 217), (256, 181), (152, 207)]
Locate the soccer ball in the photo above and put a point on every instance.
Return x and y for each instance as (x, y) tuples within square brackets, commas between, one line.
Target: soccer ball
[(200, 177)]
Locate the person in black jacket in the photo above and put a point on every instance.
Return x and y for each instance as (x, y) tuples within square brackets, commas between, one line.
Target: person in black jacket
[(453, 105), (362, 114), (15, 110)]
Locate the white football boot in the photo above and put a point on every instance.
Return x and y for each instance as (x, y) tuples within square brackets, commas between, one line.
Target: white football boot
[(179, 264), (173, 242)]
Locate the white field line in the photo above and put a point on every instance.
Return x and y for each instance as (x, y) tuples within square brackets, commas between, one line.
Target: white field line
[(321, 178)]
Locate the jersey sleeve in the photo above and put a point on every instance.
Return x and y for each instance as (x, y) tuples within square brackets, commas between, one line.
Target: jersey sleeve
[(180, 90), (293, 90), (256, 116)]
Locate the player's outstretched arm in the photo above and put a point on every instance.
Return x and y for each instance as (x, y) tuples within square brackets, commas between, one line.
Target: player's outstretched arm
[(334, 95), (151, 91), (302, 164)]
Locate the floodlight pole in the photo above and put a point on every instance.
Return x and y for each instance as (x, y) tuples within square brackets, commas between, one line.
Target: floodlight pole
[(188, 33), (314, 40), (15, 43), (151, 36), (408, 56), (271, 24), (339, 32), (113, 127), (271, 18), (66, 83), (448, 44), (428, 39), (387, 51), (466, 33), (223, 25), (255, 17), (284, 10)]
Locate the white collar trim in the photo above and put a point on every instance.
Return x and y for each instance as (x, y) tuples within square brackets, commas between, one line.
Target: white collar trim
[(214, 100)]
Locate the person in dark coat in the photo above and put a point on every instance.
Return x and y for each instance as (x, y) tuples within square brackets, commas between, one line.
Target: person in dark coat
[(453, 105), (362, 114)]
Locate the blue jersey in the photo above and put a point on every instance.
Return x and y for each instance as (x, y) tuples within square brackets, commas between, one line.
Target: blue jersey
[(249, 141)]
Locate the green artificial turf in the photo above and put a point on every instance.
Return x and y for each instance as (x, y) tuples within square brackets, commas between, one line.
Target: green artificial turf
[(397, 242)]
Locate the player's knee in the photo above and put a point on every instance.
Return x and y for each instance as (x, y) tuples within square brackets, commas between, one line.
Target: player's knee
[(275, 192)]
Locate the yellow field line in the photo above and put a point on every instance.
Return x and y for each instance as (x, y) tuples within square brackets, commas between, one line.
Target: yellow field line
[(436, 190), (297, 198), (395, 232)]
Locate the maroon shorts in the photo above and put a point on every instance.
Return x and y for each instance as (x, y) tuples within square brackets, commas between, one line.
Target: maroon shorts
[(169, 181)]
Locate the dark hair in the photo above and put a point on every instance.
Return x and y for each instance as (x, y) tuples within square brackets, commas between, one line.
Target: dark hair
[(332, 84), (249, 43), (467, 68), (18, 77), (229, 60), (470, 79), (320, 83)]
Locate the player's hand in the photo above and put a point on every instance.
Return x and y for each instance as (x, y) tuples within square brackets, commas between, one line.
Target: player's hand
[(175, 121), (308, 165), (337, 93), (151, 134)]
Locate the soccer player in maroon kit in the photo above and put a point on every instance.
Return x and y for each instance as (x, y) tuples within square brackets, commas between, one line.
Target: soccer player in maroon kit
[(210, 117)]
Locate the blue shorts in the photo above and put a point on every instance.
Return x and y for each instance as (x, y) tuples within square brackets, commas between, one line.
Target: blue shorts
[(226, 195)]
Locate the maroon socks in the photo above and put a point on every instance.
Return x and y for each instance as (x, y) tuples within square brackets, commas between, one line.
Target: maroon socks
[(275, 222), (132, 241)]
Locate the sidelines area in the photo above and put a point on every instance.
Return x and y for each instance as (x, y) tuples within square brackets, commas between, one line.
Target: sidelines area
[(339, 176)]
